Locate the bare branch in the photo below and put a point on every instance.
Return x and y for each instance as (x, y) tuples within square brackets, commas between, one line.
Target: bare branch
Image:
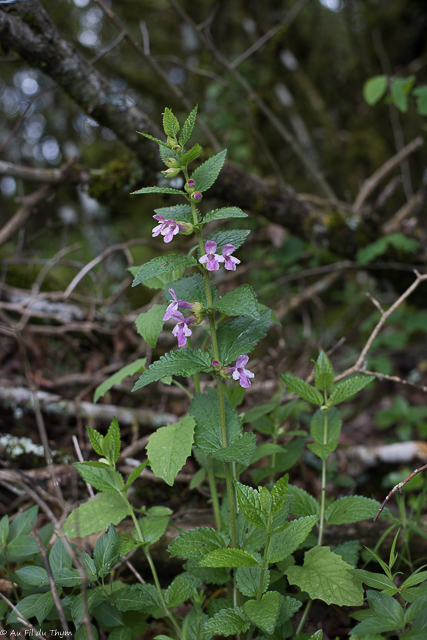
[(398, 487)]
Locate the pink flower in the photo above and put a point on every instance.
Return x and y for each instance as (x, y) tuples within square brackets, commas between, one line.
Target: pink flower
[(181, 329), (175, 305), (196, 195), (241, 374), (168, 228), (230, 261), (211, 259)]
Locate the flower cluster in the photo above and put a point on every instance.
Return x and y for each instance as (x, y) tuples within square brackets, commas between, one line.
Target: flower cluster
[(181, 329), (240, 373), (212, 259)]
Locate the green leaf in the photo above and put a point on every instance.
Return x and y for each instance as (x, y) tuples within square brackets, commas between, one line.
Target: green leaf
[(168, 190), (191, 289), (323, 451), (82, 634), (103, 479), (420, 606), (130, 598), (4, 530), (374, 89), (25, 608), (22, 523), (227, 622), (111, 445), (286, 542), (181, 212), (208, 575), (153, 527), (258, 412), (170, 123), (107, 615), (96, 438), (380, 246), (414, 579), (190, 155), (36, 576), (162, 143), (386, 607), (162, 264), (198, 478), (400, 87), (374, 580), (136, 473), (106, 548), (301, 388), (93, 597), (181, 589), (229, 558), (279, 493), (323, 373), (264, 613), (206, 174), (96, 514), (43, 605), (205, 411), (59, 558), (239, 336), (88, 564), (197, 543), (303, 504), (351, 509), (150, 324), (326, 576), (266, 449), (121, 374), (23, 546), (67, 578), (317, 426), (349, 551), (250, 505), (121, 633), (224, 214), (420, 94), (248, 580), (188, 127), (241, 450), (240, 301), (169, 447), (347, 388), (236, 237), (176, 363)]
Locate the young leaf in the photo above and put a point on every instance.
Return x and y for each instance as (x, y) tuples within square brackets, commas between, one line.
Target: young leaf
[(206, 174), (263, 613), (374, 580), (168, 190), (326, 576), (162, 264), (227, 622), (188, 127), (248, 580), (181, 589), (347, 388), (250, 505), (162, 143), (113, 440), (176, 363), (278, 494), (240, 301), (103, 479), (190, 155), (196, 543), (236, 237), (303, 389), (96, 514), (241, 450), (96, 438), (286, 542), (323, 373), (150, 324), (374, 89), (224, 214), (333, 426), (351, 509), (239, 336), (400, 87), (136, 473), (229, 558), (205, 411), (169, 447), (170, 123)]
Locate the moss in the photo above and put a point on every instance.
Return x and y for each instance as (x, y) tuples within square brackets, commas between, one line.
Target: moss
[(114, 179)]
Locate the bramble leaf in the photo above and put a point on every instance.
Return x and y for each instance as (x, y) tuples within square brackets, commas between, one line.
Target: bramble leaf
[(150, 324), (206, 174), (163, 264), (240, 301), (176, 363), (188, 127), (169, 447)]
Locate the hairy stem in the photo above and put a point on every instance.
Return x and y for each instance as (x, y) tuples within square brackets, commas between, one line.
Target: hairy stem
[(323, 493)]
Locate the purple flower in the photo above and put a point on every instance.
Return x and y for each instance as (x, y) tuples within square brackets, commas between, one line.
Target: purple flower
[(175, 305), (211, 259), (168, 228), (241, 374), (196, 195), (181, 329), (191, 183), (230, 261)]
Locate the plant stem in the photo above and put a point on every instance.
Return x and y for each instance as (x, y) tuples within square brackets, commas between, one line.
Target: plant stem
[(323, 493), (304, 616)]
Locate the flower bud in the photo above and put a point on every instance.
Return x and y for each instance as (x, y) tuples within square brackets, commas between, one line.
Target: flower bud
[(216, 365), (186, 228), (197, 196), (171, 142), (171, 173), (172, 163), (190, 186), (177, 148)]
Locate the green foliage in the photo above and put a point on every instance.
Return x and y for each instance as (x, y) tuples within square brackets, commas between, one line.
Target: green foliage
[(180, 363), (224, 214), (240, 336), (150, 324), (374, 89), (188, 127), (240, 301), (206, 174), (96, 514), (117, 378), (161, 265), (304, 390), (169, 447), (396, 240), (206, 412), (351, 509)]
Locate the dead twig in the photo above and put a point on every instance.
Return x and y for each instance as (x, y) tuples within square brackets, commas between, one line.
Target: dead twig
[(398, 487)]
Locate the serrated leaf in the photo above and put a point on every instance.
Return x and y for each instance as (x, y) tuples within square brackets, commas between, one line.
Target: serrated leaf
[(266, 449), (248, 580), (264, 613), (286, 542), (241, 301), (181, 212), (112, 444), (181, 588), (228, 558), (168, 190), (278, 494), (121, 633), (101, 390), (188, 127), (236, 237), (333, 426), (323, 373), (227, 622), (103, 479), (207, 574), (303, 504), (239, 336), (170, 123), (241, 450), (197, 543), (205, 411), (415, 578), (349, 551), (131, 598), (250, 505), (59, 558), (374, 580), (43, 605), (136, 473), (169, 447), (36, 576), (96, 514), (326, 576), (206, 174), (96, 438), (323, 451), (150, 324), (22, 546), (176, 363), (303, 389), (190, 155), (153, 527), (259, 411), (191, 289), (162, 143), (351, 509), (374, 89), (163, 264), (224, 213), (347, 388), (67, 577)]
